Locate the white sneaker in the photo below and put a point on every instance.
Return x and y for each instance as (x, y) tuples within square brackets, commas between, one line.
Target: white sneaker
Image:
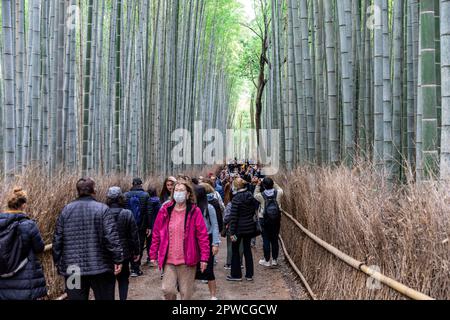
[(274, 263), (214, 298), (264, 263)]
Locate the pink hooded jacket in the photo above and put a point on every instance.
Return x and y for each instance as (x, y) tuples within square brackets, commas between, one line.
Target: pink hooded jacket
[(196, 238)]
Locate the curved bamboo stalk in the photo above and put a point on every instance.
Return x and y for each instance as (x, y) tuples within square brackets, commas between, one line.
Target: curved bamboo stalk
[(397, 286), (297, 270)]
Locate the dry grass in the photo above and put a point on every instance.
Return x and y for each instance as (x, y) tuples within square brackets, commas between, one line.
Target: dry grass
[(404, 231), (47, 198)]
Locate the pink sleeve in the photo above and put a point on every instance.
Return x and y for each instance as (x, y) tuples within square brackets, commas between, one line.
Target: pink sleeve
[(202, 236), (156, 234)]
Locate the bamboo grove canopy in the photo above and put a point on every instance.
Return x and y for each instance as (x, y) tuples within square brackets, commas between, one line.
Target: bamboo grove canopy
[(100, 85), (344, 80)]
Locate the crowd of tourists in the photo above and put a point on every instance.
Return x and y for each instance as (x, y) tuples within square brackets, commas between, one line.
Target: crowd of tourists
[(98, 246)]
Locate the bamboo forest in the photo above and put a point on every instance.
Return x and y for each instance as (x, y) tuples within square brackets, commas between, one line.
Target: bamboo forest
[(100, 85), (354, 96)]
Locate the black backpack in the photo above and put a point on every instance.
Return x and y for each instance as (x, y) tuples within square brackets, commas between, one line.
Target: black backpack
[(215, 203), (11, 250), (272, 212)]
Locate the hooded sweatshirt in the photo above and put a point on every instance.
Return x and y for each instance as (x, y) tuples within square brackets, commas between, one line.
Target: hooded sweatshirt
[(259, 196)]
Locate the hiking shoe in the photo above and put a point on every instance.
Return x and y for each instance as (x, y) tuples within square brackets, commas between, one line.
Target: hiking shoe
[(230, 278), (227, 267), (264, 263), (274, 263), (138, 273)]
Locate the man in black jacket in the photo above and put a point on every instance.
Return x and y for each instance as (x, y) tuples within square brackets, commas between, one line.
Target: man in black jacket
[(86, 246), (143, 223)]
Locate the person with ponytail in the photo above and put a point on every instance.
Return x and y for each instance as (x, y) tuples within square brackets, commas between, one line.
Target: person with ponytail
[(21, 274), (180, 241)]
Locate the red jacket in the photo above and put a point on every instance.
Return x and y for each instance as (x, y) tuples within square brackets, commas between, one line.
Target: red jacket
[(196, 238)]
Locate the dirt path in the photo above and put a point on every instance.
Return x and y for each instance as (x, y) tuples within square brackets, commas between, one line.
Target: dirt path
[(269, 284)]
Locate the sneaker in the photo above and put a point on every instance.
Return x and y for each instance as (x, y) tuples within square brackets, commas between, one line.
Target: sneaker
[(274, 263), (205, 281), (249, 279), (264, 263), (214, 298), (230, 278), (227, 267), (134, 274)]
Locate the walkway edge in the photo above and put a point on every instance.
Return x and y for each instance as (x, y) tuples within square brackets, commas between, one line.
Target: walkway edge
[(297, 270)]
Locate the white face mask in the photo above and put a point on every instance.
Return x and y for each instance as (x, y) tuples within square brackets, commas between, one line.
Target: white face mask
[(180, 197)]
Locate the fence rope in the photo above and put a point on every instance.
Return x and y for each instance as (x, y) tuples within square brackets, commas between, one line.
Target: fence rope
[(393, 284)]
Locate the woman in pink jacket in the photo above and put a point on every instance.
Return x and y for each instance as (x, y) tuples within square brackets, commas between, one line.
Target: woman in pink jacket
[(180, 241)]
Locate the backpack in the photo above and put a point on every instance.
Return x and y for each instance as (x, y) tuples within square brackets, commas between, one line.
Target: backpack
[(216, 205), (11, 250), (272, 212), (134, 204)]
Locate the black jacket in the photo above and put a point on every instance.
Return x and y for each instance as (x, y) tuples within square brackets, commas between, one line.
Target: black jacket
[(128, 231), (86, 236), (155, 206), (144, 201), (242, 216), (29, 282)]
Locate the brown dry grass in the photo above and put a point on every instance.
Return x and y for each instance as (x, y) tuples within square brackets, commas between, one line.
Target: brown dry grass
[(403, 230), (48, 196)]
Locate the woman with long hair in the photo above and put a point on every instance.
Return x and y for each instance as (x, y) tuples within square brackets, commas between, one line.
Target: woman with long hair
[(211, 220), (180, 241), (167, 189)]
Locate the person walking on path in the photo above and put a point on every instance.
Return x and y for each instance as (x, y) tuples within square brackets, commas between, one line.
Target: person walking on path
[(269, 214), (21, 274), (86, 246), (180, 241), (210, 217), (128, 234), (243, 228), (138, 202), (155, 203)]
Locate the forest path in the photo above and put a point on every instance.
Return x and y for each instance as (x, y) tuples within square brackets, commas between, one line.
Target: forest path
[(269, 283)]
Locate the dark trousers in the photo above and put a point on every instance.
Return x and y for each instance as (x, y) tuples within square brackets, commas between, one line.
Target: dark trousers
[(123, 280), (270, 234), (136, 266), (236, 271), (148, 245), (103, 286)]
